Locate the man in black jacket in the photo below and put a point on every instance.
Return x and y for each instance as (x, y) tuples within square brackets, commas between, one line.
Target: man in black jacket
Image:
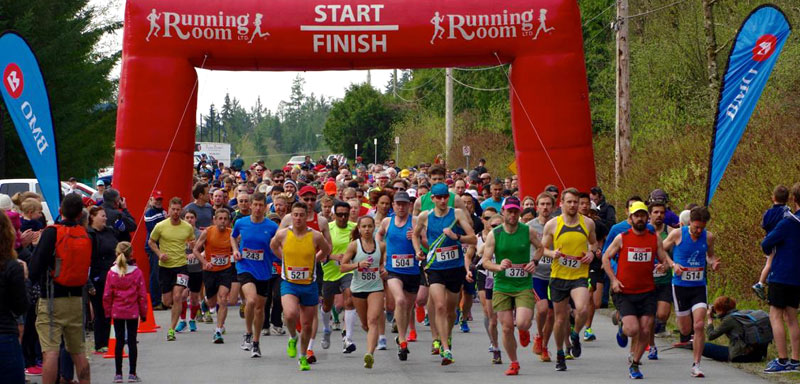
[(606, 211), (118, 215), (60, 311)]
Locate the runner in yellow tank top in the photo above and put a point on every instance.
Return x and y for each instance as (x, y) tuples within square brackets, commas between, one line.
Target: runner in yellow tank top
[(570, 240), (300, 247)]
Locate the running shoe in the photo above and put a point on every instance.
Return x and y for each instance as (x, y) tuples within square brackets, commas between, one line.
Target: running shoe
[(537, 345), (349, 347), (33, 371), (389, 316), (402, 351), (337, 326), (660, 330), (426, 322), (117, 379), (303, 363), (576, 344), (464, 326), (412, 336), (192, 326), (653, 355), (524, 338), (794, 366), (758, 288), (181, 326), (217, 338), (436, 347), (208, 319), (310, 356), (101, 351), (247, 342), (255, 351), (420, 313), (171, 335), (615, 317), (291, 348), (450, 342), (203, 307), (368, 361), (568, 354), (545, 356), (588, 335), (241, 310), (326, 338), (134, 379), (279, 331), (775, 366), (634, 372), (497, 357), (513, 369), (382, 344), (695, 371), (447, 357), (622, 340), (561, 361)]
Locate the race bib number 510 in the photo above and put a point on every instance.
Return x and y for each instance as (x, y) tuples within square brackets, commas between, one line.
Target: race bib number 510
[(445, 254)]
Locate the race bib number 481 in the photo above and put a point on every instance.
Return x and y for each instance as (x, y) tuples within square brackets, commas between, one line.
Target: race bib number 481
[(640, 255)]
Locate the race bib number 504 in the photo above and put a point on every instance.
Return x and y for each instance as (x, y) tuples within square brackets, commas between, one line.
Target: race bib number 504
[(402, 261)]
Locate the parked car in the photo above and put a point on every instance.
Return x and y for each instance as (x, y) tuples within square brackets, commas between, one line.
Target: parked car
[(338, 156), (13, 186), (297, 160)]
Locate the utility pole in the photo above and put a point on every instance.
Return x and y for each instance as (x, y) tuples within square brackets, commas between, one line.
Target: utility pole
[(448, 116), (711, 51), (369, 77), (394, 82), (623, 119), (375, 144)]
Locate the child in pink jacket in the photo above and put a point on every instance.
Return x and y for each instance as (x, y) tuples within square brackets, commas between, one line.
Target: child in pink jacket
[(124, 301)]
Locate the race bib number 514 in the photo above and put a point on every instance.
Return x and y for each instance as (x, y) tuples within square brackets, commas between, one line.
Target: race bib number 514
[(692, 274)]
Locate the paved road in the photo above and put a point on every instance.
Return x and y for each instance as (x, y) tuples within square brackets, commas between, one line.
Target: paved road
[(194, 359)]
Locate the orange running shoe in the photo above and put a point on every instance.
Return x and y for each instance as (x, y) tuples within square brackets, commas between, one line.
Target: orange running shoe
[(420, 314), (513, 369), (545, 356), (537, 345), (524, 338), (310, 357), (412, 336)]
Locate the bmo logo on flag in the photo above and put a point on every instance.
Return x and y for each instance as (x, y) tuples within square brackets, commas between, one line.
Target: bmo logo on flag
[(12, 79), (764, 47)]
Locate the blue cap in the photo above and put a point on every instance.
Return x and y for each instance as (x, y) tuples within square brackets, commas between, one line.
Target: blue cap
[(440, 189)]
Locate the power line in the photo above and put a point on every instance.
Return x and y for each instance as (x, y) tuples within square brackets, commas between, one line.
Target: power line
[(599, 14), (479, 68), (655, 10), (417, 99), (478, 88), (418, 86)]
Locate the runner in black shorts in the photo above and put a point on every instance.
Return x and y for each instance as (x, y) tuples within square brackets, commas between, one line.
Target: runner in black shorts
[(663, 279)]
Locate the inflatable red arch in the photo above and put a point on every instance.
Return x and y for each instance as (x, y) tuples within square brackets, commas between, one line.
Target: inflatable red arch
[(165, 41)]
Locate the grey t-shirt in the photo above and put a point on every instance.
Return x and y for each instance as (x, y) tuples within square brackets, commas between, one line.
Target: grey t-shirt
[(205, 214), (543, 269), (193, 265)]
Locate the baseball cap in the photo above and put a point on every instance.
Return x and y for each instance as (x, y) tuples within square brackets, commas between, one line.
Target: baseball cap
[(411, 192), (157, 195), (404, 173), (551, 188), (511, 203), (330, 187), (101, 182), (307, 189), (440, 189), (658, 195), (5, 202), (401, 197), (636, 207)]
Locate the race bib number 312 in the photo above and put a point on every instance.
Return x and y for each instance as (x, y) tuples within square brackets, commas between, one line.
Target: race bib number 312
[(570, 262)]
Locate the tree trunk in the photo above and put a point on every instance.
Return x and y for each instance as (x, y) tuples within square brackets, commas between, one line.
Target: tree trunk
[(711, 52)]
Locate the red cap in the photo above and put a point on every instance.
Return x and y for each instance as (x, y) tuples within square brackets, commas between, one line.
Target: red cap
[(157, 195), (319, 167), (307, 189), (287, 168)]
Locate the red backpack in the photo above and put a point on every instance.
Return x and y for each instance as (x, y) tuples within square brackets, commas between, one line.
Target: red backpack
[(73, 256)]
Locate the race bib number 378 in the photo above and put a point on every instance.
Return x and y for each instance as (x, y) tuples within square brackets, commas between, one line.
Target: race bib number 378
[(516, 270)]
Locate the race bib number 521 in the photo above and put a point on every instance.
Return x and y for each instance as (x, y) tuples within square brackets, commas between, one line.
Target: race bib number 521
[(298, 273)]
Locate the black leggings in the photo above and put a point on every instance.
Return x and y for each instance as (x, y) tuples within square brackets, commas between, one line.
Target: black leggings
[(273, 307), (125, 332)]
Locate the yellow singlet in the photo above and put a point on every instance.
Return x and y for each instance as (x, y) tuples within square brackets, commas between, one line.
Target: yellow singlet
[(573, 242), (298, 258)]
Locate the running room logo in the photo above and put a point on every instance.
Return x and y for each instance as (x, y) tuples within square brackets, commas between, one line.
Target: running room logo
[(494, 26), (205, 27), (13, 80), (764, 47)]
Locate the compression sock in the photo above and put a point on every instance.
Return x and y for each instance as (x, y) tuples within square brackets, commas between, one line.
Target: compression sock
[(336, 313), (349, 320), (193, 310), (326, 320), (183, 311), (311, 344)]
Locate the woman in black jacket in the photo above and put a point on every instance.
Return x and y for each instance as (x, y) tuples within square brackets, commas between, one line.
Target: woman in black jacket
[(13, 303), (104, 241)]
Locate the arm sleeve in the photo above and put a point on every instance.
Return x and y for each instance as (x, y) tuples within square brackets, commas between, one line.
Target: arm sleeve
[(44, 255), (17, 293), (130, 222), (156, 234), (774, 238), (108, 295), (725, 327)]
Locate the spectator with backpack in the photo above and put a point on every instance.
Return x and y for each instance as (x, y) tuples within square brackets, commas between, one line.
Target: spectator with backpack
[(749, 333), (61, 264)]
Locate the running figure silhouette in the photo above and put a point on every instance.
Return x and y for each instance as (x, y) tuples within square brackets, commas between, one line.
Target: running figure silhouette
[(543, 23), (438, 31), (257, 28), (154, 28)]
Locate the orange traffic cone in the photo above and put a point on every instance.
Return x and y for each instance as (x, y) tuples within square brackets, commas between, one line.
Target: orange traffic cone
[(149, 325), (112, 345)]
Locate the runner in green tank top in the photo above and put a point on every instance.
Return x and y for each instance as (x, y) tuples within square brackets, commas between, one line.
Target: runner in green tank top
[(513, 285), (663, 280)]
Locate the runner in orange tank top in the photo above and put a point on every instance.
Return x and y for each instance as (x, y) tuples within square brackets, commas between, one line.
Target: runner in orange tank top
[(217, 272)]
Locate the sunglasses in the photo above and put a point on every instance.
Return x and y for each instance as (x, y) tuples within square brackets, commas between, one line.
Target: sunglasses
[(342, 214), (399, 189), (495, 225), (443, 197), (309, 199)]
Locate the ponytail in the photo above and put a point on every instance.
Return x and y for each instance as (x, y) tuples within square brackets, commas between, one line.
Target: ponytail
[(124, 251)]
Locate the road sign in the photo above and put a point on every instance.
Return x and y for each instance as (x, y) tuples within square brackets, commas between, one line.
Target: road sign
[(397, 139), (466, 150), (513, 167)]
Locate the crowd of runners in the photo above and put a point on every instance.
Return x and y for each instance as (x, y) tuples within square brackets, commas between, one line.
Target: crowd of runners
[(394, 249)]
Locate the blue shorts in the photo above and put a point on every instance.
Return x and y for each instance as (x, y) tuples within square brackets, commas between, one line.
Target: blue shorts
[(307, 294), (471, 288), (541, 288)]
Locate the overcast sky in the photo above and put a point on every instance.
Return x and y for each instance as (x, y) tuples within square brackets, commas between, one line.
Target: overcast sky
[(272, 87)]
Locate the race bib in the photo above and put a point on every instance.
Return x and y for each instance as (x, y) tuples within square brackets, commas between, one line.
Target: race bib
[(192, 261), (446, 254), (640, 255), (656, 273), (274, 268), (402, 261), (368, 274), (253, 254), (516, 271), (546, 260), (569, 262), (298, 273), (693, 274), (219, 261), (182, 280)]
